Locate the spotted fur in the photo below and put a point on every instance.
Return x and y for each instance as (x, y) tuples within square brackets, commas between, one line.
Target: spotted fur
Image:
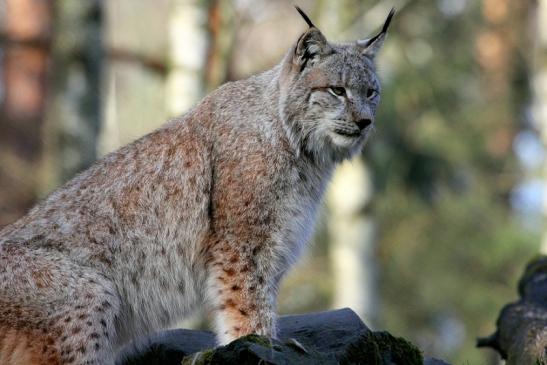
[(211, 208)]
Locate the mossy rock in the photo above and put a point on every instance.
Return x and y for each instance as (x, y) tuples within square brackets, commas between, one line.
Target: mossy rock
[(381, 348), (254, 349), (368, 348)]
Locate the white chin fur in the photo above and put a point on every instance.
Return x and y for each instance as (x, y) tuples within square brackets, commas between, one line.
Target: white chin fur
[(343, 141)]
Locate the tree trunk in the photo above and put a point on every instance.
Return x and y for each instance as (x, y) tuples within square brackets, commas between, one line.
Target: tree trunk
[(351, 226), (26, 38), (74, 110), (187, 47), (351, 229), (135, 70)]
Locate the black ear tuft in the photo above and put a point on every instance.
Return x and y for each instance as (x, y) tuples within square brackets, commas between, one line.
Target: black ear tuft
[(371, 46), (384, 28), (311, 46), (388, 20), (306, 18)]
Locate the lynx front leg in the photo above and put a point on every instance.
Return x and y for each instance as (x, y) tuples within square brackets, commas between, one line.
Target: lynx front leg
[(244, 290)]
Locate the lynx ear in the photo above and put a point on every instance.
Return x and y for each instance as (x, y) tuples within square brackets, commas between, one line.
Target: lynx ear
[(371, 46), (311, 45)]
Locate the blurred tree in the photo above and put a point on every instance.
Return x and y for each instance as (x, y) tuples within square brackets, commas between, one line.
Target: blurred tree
[(25, 37), (149, 76), (187, 52), (351, 225), (221, 34), (135, 69), (351, 229), (74, 111)]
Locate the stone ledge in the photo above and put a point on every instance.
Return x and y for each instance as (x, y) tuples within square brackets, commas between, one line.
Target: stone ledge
[(332, 337)]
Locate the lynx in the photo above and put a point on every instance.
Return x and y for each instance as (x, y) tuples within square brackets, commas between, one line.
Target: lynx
[(212, 208)]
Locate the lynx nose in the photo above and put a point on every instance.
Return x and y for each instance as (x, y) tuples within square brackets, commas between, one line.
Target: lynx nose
[(363, 123)]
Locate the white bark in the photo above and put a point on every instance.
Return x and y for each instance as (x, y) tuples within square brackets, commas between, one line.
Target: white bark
[(351, 233), (187, 55), (351, 226)]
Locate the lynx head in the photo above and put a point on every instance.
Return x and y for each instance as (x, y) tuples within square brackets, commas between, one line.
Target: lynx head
[(329, 93)]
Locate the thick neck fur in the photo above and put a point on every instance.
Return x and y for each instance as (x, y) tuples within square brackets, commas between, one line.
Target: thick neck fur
[(267, 95)]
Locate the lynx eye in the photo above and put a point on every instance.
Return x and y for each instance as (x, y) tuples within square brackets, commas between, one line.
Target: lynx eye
[(371, 93), (337, 91)]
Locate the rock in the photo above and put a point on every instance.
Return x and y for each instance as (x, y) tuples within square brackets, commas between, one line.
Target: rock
[(326, 331), (165, 348), (374, 348), (254, 349), (380, 348), (323, 331), (521, 335), (333, 337)]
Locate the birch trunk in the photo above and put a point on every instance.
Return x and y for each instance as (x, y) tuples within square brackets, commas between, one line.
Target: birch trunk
[(351, 226), (351, 233)]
